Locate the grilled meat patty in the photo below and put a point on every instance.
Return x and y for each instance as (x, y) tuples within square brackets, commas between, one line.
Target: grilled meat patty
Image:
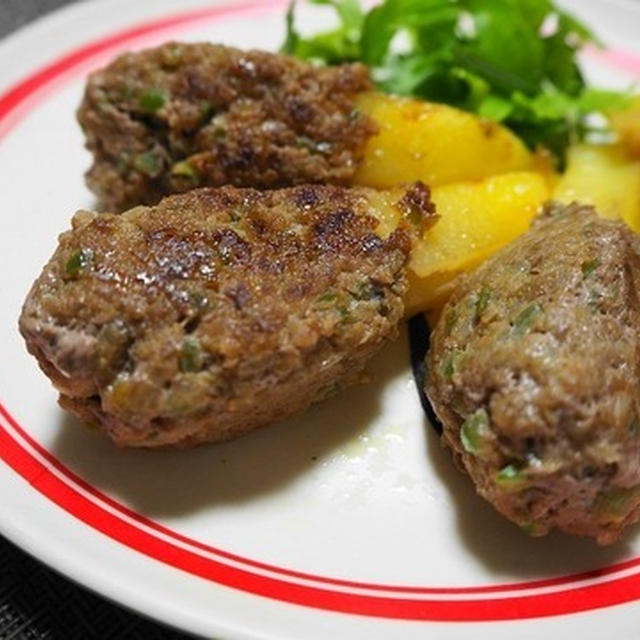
[(183, 115), (216, 311), (534, 373)]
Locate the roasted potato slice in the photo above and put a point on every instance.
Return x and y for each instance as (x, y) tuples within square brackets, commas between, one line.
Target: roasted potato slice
[(606, 177), (434, 143), (626, 124), (475, 219)]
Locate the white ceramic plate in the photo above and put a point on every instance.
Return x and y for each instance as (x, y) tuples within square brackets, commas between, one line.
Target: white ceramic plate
[(349, 522)]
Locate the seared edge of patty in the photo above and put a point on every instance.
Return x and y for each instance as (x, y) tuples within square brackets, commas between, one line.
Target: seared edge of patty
[(168, 119), (534, 373), (216, 311)]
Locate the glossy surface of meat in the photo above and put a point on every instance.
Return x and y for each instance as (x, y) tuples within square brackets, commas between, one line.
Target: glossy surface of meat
[(216, 311)]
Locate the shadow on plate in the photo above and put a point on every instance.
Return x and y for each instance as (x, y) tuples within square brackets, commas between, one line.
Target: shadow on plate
[(501, 546), (169, 483)]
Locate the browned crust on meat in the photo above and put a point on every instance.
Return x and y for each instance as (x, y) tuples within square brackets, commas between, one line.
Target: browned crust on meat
[(216, 311), (544, 338), (246, 118)]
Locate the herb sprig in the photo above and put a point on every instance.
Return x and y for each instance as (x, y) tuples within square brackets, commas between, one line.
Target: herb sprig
[(512, 61)]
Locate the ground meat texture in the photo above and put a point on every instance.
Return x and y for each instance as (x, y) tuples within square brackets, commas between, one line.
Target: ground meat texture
[(169, 119), (216, 311), (534, 373)]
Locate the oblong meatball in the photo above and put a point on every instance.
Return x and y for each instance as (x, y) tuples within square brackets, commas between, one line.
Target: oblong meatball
[(217, 311), (534, 373), (168, 119)]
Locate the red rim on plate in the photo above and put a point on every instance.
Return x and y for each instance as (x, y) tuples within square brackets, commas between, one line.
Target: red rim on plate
[(614, 584)]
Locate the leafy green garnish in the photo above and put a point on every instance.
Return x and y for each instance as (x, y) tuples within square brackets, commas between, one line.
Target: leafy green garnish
[(148, 163), (152, 100), (450, 363), (450, 321), (345, 315), (473, 429), (589, 266), (185, 170), (190, 356), (206, 111), (510, 477), (512, 61), (482, 301), (331, 47), (525, 319), (448, 368), (77, 262), (327, 297)]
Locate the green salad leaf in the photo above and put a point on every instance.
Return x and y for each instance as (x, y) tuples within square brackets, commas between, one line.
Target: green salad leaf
[(331, 47), (512, 61)]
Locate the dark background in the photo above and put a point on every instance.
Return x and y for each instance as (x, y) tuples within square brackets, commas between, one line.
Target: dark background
[(15, 13), (36, 603)]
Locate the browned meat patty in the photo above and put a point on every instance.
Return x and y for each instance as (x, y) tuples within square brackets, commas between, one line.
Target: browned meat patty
[(216, 311), (183, 115), (534, 373)]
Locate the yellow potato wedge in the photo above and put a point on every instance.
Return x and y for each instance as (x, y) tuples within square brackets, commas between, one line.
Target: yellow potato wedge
[(604, 176), (431, 293), (476, 219), (627, 125), (434, 143)]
